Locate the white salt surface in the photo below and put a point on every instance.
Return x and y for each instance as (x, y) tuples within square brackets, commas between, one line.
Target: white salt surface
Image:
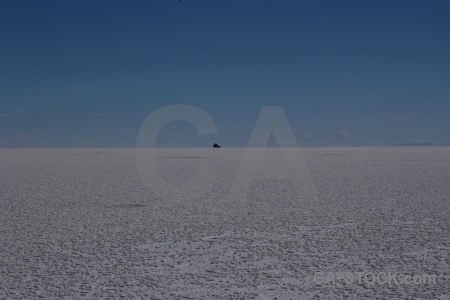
[(82, 224)]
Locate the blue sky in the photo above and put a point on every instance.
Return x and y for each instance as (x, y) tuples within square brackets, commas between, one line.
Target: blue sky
[(88, 73)]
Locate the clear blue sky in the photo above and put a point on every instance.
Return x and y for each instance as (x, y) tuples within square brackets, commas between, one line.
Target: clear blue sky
[(88, 73)]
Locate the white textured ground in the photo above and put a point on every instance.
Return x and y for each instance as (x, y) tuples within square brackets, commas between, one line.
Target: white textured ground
[(81, 224)]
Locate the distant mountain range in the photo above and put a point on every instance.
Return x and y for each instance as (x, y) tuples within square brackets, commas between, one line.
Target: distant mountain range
[(415, 144)]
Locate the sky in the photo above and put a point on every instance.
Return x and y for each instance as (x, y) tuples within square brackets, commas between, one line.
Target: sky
[(347, 73)]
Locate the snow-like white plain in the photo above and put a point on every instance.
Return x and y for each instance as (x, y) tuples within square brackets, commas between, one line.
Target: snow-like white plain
[(86, 224)]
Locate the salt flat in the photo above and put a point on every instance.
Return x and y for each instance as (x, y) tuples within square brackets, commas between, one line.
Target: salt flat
[(85, 224)]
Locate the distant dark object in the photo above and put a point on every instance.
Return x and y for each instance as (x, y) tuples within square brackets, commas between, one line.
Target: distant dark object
[(216, 146)]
